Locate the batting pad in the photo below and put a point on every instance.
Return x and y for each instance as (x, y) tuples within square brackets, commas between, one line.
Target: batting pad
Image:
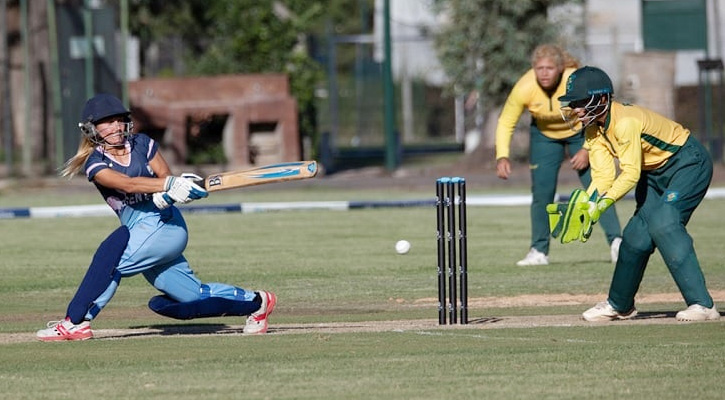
[(204, 308)]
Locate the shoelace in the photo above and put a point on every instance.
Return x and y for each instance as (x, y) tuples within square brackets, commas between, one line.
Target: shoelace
[(51, 324)]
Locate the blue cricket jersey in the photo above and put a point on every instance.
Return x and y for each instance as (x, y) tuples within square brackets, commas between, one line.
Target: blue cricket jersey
[(130, 207)]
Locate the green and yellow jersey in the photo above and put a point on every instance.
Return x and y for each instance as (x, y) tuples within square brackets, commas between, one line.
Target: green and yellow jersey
[(638, 138), (543, 106)]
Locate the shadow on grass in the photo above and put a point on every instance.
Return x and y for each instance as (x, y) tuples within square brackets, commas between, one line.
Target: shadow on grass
[(655, 314), (172, 330)]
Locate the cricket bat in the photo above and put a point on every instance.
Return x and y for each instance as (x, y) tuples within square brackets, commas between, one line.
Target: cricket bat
[(272, 173)]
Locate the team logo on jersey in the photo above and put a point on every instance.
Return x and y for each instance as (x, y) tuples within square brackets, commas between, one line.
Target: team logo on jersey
[(671, 196), (115, 203)]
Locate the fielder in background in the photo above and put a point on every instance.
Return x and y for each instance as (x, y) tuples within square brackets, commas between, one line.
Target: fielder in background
[(670, 171), (135, 180), (537, 91)]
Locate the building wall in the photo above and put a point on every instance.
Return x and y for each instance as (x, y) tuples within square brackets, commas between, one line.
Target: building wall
[(614, 28)]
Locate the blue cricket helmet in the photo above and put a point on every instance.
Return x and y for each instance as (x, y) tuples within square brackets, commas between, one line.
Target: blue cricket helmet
[(102, 106)]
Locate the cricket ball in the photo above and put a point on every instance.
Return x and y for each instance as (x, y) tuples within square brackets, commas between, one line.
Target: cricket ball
[(402, 246)]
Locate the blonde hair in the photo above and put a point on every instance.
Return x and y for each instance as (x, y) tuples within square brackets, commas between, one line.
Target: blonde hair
[(75, 164), (561, 57)]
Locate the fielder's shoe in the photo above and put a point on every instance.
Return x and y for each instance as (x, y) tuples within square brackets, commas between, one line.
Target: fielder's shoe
[(697, 312), (605, 312), (614, 249), (257, 322), (535, 257), (65, 330)]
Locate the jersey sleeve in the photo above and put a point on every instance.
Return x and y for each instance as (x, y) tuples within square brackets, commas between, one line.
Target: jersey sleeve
[(151, 146), (602, 166), (630, 157), (94, 164), (144, 146), (510, 114)]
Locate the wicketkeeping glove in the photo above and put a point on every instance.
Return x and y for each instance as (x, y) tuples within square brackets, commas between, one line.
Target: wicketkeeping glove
[(595, 207), (556, 211), (575, 218)]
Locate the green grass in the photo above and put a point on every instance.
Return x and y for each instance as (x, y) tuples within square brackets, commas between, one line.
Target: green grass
[(339, 267), (545, 363)]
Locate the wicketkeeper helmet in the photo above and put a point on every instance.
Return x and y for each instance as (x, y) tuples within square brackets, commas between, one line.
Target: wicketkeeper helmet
[(584, 83), (586, 88)]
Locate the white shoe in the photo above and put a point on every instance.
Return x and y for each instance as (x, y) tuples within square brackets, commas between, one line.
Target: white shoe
[(605, 312), (697, 312), (614, 249), (534, 257), (65, 330), (257, 322)]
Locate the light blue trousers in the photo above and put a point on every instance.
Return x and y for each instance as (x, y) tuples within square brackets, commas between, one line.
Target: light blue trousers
[(155, 249)]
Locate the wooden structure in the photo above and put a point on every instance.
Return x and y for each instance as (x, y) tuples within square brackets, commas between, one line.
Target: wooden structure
[(261, 125)]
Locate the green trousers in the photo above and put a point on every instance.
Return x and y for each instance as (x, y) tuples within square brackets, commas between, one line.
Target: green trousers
[(666, 199), (546, 158)]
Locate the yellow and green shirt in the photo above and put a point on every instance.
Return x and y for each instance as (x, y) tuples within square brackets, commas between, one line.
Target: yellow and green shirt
[(543, 106), (640, 139)]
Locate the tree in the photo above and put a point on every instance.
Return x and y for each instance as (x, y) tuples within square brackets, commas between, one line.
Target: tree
[(486, 46)]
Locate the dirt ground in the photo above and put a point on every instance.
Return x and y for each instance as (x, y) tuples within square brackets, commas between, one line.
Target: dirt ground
[(477, 306)]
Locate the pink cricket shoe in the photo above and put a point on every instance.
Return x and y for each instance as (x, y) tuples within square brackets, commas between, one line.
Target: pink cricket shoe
[(257, 322), (65, 330)]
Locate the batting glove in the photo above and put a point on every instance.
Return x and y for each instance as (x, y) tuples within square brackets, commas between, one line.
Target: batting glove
[(193, 177), (162, 200), (183, 190)]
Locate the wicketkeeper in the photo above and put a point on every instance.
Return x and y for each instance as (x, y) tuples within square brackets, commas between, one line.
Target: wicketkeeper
[(670, 172), (550, 141)]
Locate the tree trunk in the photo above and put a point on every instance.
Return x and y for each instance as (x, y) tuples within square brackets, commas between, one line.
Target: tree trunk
[(41, 122), (484, 155), (29, 89)]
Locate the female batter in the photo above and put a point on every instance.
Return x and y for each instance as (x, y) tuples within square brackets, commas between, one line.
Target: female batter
[(135, 180)]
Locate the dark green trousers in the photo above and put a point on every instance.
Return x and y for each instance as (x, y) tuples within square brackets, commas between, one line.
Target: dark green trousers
[(546, 157), (666, 199)]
